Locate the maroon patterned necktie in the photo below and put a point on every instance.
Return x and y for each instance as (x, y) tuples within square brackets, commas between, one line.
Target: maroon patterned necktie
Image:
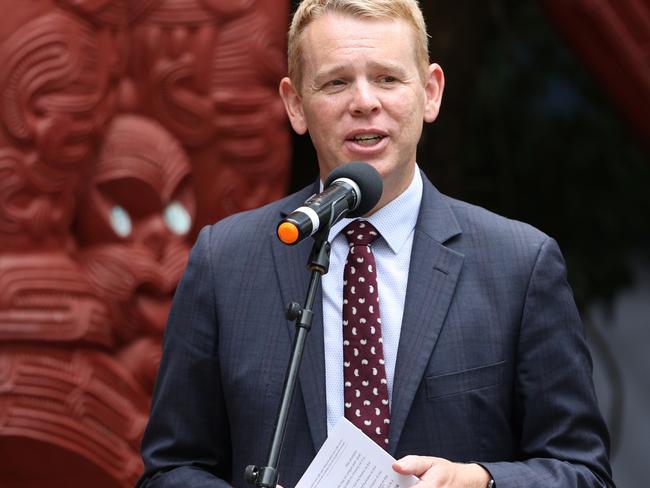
[(364, 374)]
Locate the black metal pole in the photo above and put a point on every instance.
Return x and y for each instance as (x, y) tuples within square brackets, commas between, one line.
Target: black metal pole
[(267, 476)]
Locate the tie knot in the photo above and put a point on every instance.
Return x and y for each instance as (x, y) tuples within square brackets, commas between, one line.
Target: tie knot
[(360, 233)]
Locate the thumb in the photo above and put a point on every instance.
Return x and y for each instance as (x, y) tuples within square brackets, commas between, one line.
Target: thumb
[(415, 465)]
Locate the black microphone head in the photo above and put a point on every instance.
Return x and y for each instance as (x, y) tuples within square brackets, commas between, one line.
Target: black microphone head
[(367, 179)]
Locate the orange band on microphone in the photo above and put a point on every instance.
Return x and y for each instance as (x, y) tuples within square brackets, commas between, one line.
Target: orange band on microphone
[(288, 233)]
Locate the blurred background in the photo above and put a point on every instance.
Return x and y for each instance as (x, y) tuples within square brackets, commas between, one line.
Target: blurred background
[(127, 125)]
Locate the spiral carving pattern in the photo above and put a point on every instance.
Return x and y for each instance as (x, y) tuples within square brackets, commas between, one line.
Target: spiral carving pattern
[(125, 126)]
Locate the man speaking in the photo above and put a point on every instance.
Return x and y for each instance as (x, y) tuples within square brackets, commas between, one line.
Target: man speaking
[(448, 334)]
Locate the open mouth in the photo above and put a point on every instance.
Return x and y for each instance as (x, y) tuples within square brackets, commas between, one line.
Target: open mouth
[(153, 311), (367, 139)]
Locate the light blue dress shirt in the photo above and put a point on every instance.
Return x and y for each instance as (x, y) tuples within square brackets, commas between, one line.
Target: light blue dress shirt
[(396, 224)]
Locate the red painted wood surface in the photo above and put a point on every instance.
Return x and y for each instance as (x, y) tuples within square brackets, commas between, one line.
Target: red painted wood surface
[(125, 126)]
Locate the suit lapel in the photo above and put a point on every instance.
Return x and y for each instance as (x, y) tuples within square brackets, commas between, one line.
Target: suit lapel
[(293, 279), (433, 273)]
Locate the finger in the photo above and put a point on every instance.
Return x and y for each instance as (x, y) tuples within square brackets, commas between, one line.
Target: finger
[(415, 465)]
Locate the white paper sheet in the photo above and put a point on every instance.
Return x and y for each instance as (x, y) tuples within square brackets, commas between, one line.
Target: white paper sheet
[(349, 459)]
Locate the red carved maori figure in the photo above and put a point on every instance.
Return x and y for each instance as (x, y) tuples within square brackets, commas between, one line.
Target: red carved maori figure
[(208, 70), (97, 208), (68, 417), (70, 413), (108, 13), (55, 99), (133, 229)]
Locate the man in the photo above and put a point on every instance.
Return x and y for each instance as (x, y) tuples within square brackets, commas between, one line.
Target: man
[(483, 359)]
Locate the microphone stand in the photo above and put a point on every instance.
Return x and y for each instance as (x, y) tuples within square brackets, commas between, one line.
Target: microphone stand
[(267, 476)]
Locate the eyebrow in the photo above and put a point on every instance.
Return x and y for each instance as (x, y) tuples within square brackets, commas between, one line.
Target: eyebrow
[(334, 70), (328, 73), (388, 67)]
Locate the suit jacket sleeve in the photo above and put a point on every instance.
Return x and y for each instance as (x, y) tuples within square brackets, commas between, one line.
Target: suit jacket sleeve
[(563, 440), (187, 439)]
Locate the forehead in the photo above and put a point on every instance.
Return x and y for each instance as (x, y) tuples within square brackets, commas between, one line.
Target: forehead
[(335, 39)]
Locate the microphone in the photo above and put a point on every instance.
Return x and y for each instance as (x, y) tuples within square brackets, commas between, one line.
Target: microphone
[(351, 190)]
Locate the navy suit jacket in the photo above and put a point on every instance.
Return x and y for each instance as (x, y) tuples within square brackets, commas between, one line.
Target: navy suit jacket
[(492, 365)]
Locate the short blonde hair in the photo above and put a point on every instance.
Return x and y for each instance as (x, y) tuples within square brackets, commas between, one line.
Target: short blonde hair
[(310, 10)]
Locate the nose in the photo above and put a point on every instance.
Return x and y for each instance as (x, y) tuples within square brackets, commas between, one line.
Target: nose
[(364, 100), (154, 234)]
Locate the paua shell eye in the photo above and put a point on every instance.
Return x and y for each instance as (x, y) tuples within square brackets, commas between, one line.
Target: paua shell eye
[(121, 221), (177, 218)]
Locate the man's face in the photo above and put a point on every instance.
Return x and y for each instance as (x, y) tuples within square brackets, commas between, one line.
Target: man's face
[(363, 96)]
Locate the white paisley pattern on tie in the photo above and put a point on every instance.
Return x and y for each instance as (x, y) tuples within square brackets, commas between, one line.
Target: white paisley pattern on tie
[(364, 373)]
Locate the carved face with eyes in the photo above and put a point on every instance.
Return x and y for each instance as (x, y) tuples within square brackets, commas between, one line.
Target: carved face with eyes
[(57, 92), (134, 222), (57, 88)]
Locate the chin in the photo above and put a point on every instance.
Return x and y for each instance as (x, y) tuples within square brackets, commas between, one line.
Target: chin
[(382, 167)]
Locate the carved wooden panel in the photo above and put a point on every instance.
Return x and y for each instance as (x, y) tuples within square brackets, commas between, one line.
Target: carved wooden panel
[(125, 126), (208, 71)]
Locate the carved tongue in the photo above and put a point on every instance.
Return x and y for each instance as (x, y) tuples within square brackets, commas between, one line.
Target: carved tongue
[(154, 310)]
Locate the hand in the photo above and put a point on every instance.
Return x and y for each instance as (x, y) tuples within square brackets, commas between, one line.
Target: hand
[(440, 473)]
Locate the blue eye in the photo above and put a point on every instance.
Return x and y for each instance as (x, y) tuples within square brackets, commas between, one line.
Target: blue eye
[(121, 221), (177, 218), (334, 83)]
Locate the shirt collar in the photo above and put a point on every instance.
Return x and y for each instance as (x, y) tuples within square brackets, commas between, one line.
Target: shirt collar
[(396, 220)]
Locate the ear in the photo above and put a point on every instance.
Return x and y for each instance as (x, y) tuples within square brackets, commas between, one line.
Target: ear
[(433, 88), (293, 105)]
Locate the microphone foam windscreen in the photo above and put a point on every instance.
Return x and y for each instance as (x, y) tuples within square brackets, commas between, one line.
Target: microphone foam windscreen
[(367, 179)]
